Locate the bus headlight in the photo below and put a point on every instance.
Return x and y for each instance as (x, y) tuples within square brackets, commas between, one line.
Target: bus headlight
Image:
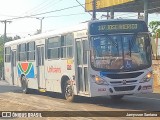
[(98, 80), (147, 78)]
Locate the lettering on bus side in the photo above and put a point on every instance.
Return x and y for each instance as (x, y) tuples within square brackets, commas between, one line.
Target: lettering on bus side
[(81, 34), (51, 69)]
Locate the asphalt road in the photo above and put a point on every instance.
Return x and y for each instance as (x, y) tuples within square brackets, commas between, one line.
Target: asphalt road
[(12, 99)]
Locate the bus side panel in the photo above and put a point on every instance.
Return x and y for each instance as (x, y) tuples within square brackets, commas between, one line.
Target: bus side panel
[(30, 73), (55, 70), (32, 76), (7, 72)]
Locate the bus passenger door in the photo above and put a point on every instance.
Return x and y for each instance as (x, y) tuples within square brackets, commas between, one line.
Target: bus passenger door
[(40, 67), (82, 66), (13, 67)]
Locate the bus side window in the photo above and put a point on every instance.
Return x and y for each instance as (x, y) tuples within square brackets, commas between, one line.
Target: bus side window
[(67, 46), (22, 52), (31, 51), (7, 54), (53, 48)]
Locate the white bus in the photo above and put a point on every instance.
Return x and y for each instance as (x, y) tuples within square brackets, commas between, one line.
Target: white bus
[(98, 58)]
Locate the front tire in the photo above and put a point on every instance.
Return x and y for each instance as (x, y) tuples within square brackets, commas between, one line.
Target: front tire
[(68, 92)]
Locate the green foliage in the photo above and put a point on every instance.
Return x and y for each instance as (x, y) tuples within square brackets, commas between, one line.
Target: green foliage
[(158, 31), (2, 48), (1, 53), (155, 27)]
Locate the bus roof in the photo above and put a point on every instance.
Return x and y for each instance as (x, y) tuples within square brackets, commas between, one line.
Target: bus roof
[(65, 30), (57, 32)]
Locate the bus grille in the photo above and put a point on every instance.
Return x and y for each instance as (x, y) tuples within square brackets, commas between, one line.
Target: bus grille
[(121, 82), (126, 88), (124, 76)]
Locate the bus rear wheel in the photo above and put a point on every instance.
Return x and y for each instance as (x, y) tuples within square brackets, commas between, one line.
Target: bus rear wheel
[(116, 97), (68, 92)]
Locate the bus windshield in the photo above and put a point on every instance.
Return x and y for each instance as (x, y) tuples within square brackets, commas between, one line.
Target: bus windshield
[(121, 51)]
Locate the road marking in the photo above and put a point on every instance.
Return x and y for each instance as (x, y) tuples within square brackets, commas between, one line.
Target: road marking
[(145, 98)]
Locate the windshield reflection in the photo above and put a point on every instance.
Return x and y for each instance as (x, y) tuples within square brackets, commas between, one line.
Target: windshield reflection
[(121, 51)]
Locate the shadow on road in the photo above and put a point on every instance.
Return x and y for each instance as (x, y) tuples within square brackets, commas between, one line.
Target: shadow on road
[(5, 87), (128, 102)]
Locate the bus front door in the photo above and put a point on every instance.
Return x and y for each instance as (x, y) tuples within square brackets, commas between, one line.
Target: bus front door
[(13, 67), (82, 66), (40, 67)]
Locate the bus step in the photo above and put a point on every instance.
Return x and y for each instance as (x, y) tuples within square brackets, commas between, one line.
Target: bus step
[(42, 90)]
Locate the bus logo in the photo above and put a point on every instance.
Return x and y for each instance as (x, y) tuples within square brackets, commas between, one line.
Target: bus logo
[(27, 69), (124, 82)]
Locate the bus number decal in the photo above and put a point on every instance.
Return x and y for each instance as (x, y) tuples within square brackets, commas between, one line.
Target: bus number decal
[(69, 64), (69, 67)]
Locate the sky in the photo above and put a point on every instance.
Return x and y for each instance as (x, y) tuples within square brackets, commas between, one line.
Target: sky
[(58, 19)]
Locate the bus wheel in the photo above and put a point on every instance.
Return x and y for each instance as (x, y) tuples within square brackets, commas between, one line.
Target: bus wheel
[(68, 92), (116, 97), (24, 85)]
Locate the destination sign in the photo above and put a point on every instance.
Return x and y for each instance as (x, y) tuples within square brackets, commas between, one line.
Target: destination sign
[(109, 27), (117, 27)]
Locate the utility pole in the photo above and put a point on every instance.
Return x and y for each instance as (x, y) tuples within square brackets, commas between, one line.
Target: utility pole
[(5, 29), (4, 40), (112, 13), (40, 30), (146, 3), (94, 9)]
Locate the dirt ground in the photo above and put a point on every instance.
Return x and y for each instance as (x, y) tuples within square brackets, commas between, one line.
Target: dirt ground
[(14, 100)]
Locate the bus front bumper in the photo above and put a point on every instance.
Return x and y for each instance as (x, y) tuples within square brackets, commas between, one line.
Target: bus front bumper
[(128, 89)]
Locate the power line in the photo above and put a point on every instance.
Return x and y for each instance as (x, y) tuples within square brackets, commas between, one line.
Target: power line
[(51, 4), (37, 7), (44, 12), (29, 16), (7, 15), (65, 15), (83, 7)]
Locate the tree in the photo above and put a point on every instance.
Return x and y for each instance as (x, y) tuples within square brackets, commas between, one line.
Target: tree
[(155, 27), (1, 55), (2, 49)]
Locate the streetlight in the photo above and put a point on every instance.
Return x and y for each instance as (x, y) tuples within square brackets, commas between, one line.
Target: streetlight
[(40, 31)]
